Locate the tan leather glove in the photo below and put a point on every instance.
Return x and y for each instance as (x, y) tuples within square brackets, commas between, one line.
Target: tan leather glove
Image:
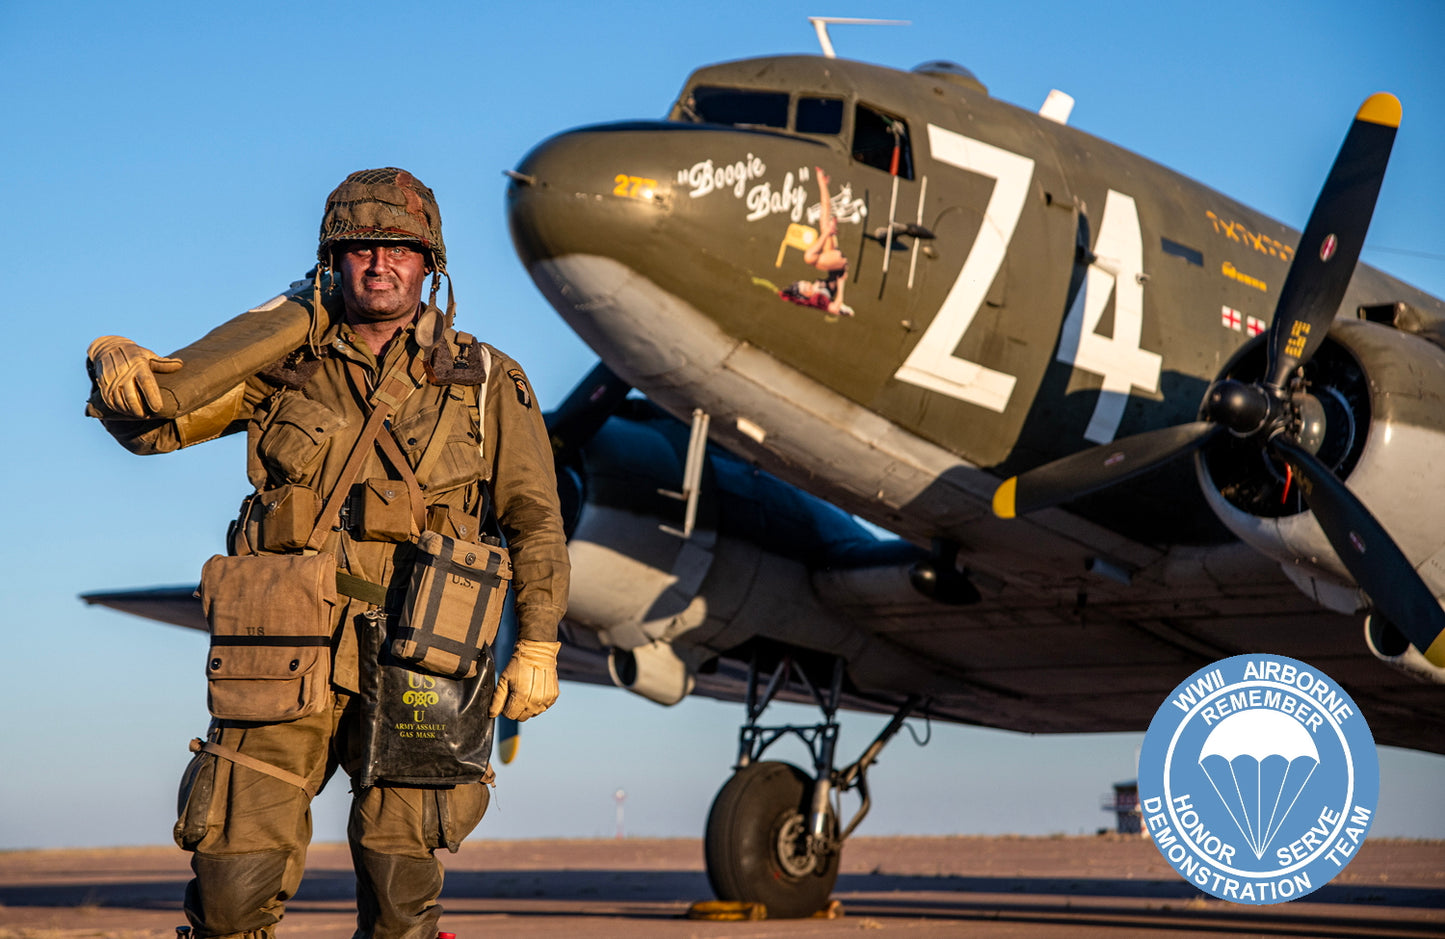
[(528, 685), (124, 374)]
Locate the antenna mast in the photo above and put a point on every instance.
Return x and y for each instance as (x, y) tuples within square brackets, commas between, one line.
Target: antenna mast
[(821, 23)]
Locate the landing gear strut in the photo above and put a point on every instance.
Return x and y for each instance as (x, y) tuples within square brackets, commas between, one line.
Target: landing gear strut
[(773, 835)]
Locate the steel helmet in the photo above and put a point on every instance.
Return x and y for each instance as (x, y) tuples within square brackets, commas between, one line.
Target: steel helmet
[(386, 204)]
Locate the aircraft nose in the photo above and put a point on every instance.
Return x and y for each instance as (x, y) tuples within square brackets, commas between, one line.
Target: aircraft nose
[(654, 239), (588, 191)]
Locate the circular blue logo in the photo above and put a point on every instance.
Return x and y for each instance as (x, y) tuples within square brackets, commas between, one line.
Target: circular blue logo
[(1258, 779)]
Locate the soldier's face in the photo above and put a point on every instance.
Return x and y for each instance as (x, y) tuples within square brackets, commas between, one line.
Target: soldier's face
[(381, 282)]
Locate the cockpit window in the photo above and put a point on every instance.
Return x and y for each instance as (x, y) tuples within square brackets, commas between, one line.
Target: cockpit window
[(820, 115), (710, 105), (881, 141)]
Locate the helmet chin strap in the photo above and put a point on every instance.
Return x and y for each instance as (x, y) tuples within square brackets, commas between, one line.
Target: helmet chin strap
[(451, 297), (318, 321), (451, 302), (429, 332)]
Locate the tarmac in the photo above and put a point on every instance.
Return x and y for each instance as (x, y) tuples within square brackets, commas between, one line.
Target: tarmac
[(1054, 888)]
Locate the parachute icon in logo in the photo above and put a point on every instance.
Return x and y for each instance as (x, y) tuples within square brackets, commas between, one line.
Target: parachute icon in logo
[(1258, 779), (1259, 762)]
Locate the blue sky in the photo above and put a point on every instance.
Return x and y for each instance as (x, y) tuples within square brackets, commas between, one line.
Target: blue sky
[(164, 165)]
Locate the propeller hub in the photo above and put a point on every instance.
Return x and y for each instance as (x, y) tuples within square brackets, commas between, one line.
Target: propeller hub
[(1244, 409)]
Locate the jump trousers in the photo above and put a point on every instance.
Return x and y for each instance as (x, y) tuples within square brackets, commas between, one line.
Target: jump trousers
[(248, 831)]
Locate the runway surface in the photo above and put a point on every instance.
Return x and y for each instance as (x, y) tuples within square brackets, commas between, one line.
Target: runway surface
[(1054, 888)]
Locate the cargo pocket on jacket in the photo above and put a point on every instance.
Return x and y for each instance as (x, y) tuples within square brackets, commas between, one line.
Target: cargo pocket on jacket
[(460, 460), (296, 436), (450, 815), (385, 511), (287, 516)]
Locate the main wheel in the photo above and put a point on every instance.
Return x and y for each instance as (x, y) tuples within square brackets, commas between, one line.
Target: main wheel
[(757, 845)]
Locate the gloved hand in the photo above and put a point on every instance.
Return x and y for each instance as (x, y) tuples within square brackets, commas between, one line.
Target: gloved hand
[(124, 374), (528, 685)]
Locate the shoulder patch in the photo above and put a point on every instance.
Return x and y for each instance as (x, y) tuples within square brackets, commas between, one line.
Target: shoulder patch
[(524, 394)]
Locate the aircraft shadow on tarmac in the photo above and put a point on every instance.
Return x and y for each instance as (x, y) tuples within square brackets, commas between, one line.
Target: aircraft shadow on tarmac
[(1032, 899)]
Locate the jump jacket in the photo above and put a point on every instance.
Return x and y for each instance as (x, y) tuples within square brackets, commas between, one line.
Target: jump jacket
[(302, 426)]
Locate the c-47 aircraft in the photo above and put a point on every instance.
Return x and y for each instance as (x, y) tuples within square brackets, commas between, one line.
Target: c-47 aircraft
[(847, 291)]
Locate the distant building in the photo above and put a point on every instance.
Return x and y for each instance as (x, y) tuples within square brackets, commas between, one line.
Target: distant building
[(1125, 806)]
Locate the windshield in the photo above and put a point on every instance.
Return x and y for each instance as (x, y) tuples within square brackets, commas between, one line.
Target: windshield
[(712, 105)]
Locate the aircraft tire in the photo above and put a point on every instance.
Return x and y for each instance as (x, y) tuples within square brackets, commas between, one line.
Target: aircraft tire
[(753, 847)]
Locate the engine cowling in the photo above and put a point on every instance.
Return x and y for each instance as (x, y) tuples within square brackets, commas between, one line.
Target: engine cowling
[(1382, 395)]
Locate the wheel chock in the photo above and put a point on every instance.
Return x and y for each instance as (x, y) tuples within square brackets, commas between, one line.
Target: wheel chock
[(727, 911)]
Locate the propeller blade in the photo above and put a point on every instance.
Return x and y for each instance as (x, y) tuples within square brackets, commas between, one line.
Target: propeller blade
[(1098, 467), (585, 409), (1369, 553), (509, 737), (1330, 246), (508, 733)]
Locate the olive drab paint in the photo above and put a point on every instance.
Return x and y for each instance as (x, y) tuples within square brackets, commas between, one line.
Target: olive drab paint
[(1052, 291)]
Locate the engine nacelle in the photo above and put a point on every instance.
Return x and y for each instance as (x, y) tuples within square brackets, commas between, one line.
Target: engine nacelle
[(661, 605), (1391, 647), (1383, 393), (654, 671)]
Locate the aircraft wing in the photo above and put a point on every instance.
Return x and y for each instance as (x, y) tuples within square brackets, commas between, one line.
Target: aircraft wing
[(772, 572), (178, 606), (578, 661), (1038, 666)]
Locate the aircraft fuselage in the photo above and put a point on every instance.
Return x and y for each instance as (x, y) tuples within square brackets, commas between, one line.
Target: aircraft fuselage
[(1055, 291)]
